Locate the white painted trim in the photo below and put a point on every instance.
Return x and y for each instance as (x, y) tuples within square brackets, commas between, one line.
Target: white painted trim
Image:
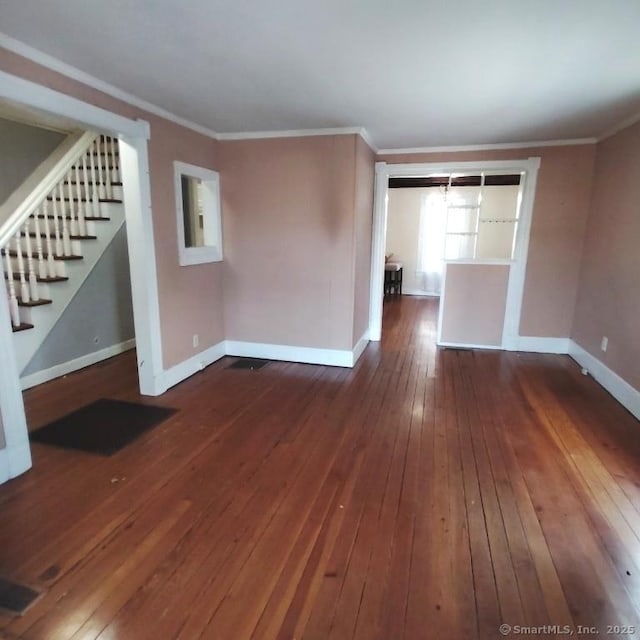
[(15, 458), (627, 122), (287, 353), (534, 344), (378, 241), (64, 368), (134, 166), (292, 133), (18, 89), (469, 345), (443, 291), (620, 389), (490, 147), (517, 271), (14, 461), (500, 262), (360, 346), (74, 73), (182, 371), (211, 251), (364, 134), (419, 292)]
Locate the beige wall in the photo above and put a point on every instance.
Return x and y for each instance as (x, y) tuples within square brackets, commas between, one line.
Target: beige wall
[(474, 304), (609, 293), (557, 231), (365, 174), (289, 240), (191, 298)]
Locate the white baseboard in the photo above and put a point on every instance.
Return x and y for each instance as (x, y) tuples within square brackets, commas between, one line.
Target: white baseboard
[(535, 344), (64, 368), (286, 353), (420, 292), (172, 376), (459, 345), (360, 346), (14, 461), (620, 389)]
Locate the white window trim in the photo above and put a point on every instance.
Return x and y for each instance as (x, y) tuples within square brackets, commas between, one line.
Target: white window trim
[(212, 251)]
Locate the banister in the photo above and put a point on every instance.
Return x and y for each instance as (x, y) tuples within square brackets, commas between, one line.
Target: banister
[(31, 193)]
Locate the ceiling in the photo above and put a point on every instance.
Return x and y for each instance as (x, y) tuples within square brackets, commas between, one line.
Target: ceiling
[(413, 73)]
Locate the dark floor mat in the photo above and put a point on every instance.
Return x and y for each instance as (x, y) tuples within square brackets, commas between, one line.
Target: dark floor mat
[(103, 427), (16, 598), (248, 363)]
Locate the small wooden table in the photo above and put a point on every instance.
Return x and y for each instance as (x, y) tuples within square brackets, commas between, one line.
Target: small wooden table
[(393, 278)]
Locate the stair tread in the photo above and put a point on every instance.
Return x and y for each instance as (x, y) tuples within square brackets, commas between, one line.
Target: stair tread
[(73, 237), (82, 183), (23, 326), (14, 254), (34, 303), (47, 280), (50, 216), (58, 199)]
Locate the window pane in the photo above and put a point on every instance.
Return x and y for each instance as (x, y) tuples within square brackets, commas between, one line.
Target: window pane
[(459, 246), (495, 239)]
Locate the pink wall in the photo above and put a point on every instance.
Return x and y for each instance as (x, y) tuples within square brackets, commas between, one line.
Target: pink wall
[(191, 298), (609, 292), (289, 240), (474, 304), (557, 229), (365, 161)]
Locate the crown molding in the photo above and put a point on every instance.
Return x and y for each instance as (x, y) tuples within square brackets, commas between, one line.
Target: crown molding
[(489, 147), (627, 122), (298, 133), (45, 60)]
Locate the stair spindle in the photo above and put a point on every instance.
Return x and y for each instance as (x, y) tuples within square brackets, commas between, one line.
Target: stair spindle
[(42, 265), (14, 310), (102, 194), (115, 171), (24, 287), (82, 225), (66, 240), (72, 206), (95, 196), (32, 279), (51, 263), (56, 226), (108, 165)]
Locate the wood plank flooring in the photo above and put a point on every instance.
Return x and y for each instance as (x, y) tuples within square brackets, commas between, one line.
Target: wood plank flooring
[(424, 494)]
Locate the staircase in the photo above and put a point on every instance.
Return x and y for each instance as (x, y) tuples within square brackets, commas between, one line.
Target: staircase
[(57, 239)]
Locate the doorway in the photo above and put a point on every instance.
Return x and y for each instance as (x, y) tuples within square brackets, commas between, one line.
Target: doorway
[(133, 136), (463, 247)]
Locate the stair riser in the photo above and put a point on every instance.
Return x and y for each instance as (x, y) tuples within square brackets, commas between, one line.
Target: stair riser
[(92, 229), (86, 191), (60, 266), (67, 208)]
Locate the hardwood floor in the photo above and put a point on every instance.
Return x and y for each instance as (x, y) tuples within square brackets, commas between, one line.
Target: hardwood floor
[(424, 494)]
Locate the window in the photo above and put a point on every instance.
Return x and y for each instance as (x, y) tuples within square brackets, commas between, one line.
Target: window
[(198, 214)]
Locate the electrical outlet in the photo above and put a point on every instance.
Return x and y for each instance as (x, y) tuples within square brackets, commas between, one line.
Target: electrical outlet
[(605, 343), (196, 340)]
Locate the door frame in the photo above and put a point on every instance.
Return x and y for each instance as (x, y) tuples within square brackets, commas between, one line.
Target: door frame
[(133, 135), (527, 167)]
